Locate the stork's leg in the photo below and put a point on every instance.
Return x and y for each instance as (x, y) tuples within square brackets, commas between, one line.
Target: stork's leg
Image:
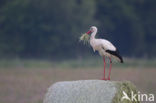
[(104, 68), (110, 68)]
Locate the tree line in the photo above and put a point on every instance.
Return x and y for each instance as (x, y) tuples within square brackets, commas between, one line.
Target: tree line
[(51, 28)]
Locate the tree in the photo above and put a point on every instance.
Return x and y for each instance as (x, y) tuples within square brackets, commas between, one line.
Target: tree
[(127, 22), (42, 28)]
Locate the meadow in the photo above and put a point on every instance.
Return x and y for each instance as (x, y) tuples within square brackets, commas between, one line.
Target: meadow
[(26, 81)]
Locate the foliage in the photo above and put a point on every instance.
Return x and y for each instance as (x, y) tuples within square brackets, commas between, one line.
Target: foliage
[(129, 23), (51, 28), (32, 28)]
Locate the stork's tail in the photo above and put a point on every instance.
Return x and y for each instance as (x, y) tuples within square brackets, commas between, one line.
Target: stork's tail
[(121, 60), (116, 54)]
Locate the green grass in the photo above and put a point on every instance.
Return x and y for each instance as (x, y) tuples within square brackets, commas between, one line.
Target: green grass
[(74, 63)]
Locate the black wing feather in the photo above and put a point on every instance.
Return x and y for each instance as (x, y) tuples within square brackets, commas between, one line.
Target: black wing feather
[(115, 53)]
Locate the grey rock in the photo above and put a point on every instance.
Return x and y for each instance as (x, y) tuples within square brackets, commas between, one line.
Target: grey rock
[(83, 91)]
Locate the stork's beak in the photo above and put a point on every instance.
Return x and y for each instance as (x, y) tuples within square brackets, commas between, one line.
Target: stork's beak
[(88, 32)]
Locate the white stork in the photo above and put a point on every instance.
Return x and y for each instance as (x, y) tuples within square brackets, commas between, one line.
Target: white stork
[(105, 49)]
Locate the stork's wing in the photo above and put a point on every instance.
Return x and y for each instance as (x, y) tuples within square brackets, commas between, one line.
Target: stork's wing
[(116, 54), (107, 45), (111, 49)]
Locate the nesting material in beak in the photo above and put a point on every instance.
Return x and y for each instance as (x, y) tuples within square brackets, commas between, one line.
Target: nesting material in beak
[(85, 38)]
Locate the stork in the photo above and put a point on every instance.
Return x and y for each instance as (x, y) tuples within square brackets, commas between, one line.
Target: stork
[(105, 49)]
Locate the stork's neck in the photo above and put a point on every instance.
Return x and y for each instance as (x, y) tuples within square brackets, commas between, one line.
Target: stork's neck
[(93, 35)]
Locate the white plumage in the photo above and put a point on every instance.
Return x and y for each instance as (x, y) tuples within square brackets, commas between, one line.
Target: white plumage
[(101, 45), (104, 47)]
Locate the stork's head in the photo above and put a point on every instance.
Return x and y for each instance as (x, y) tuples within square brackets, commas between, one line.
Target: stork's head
[(92, 29)]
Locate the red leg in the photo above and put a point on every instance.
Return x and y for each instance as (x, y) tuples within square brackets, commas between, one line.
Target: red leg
[(110, 69), (104, 68)]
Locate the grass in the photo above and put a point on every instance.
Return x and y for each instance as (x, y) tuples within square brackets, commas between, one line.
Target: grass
[(76, 63), (127, 87), (26, 81), (29, 85)]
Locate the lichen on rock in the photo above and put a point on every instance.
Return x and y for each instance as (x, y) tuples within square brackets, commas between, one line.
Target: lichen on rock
[(128, 88)]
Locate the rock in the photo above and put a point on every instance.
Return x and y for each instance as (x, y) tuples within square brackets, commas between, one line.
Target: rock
[(87, 91)]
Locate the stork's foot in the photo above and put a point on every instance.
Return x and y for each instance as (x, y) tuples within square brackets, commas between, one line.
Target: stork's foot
[(103, 79), (108, 79)]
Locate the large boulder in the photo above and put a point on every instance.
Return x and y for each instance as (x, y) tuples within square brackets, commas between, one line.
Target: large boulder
[(89, 91)]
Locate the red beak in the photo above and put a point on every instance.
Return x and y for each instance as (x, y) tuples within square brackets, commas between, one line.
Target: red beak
[(88, 32)]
